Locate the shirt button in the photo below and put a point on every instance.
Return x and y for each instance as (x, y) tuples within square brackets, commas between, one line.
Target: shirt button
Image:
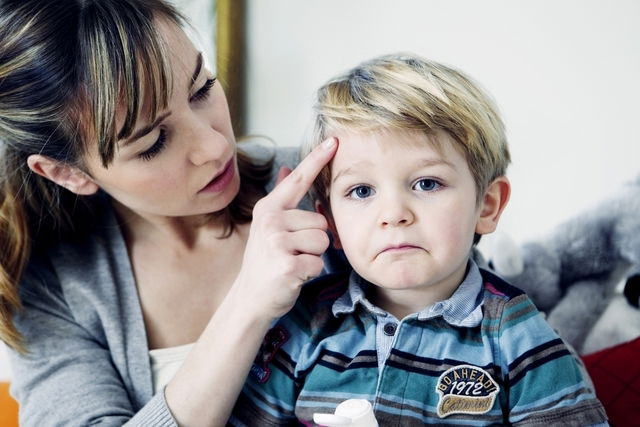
[(389, 329)]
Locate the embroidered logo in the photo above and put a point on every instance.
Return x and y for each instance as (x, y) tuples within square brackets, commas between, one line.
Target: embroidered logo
[(272, 342), (466, 389)]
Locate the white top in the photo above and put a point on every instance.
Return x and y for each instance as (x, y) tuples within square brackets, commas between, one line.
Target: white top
[(165, 362)]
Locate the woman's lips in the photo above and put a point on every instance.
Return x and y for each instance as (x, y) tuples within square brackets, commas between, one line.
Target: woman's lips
[(220, 181)]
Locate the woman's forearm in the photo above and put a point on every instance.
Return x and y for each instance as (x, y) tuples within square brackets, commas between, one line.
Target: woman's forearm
[(205, 389), (283, 250)]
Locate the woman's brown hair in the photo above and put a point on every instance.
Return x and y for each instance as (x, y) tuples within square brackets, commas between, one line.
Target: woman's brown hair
[(65, 67)]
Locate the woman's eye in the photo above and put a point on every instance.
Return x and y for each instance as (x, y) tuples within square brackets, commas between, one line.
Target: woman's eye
[(156, 148), (204, 91), (361, 192), (426, 184)]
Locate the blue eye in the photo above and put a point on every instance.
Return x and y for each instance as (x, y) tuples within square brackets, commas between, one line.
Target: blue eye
[(361, 192), (203, 93), (156, 148), (427, 184)]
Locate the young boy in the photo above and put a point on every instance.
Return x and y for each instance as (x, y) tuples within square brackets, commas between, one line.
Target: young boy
[(416, 328)]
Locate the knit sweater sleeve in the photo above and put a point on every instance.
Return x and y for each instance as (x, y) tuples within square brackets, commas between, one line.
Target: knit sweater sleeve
[(69, 377)]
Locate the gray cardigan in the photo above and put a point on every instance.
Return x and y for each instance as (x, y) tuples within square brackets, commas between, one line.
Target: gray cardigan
[(88, 360)]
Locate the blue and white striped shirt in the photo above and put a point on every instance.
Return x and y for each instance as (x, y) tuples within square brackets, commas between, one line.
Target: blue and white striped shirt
[(484, 356)]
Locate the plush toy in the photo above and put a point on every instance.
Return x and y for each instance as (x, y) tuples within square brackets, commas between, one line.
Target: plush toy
[(572, 273), (632, 289)]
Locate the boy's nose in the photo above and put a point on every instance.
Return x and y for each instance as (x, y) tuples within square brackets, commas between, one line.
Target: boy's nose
[(395, 213)]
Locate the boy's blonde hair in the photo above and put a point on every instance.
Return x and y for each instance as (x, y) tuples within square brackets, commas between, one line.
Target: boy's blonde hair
[(406, 92)]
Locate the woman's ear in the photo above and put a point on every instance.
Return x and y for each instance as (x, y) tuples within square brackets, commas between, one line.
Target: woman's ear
[(67, 176), (493, 203), (332, 226)]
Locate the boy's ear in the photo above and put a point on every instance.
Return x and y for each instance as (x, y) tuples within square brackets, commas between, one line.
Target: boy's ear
[(67, 176), (332, 226), (493, 203)]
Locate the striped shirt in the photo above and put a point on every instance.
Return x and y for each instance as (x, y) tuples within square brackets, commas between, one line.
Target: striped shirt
[(484, 356)]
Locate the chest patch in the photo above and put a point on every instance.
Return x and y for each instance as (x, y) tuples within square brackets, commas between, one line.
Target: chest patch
[(466, 389), (270, 346)]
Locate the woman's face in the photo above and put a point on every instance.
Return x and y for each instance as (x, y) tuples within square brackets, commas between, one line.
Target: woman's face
[(184, 163)]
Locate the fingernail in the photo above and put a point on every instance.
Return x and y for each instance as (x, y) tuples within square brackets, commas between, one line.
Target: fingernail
[(329, 143)]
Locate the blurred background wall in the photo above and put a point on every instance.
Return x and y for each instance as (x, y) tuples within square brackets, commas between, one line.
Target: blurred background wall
[(564, 74)]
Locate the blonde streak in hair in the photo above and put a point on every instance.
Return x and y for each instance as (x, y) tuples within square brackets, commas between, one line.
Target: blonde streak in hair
[(130, 83), (15, 246), (14, 252), (102, 91), (16, 37), (145, 77), (152, 73), (7, 69), (160, 75)]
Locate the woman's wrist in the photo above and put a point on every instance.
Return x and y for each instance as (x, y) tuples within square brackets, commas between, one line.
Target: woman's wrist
[(206, 387)]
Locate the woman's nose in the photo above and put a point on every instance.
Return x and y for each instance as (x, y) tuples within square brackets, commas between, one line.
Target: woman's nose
[(206, 144)]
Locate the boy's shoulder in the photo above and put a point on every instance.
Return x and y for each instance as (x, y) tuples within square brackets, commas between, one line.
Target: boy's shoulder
[(324, 290), (501, 299), (496, 285)]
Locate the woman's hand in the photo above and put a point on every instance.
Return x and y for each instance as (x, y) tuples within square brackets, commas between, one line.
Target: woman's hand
[(285, 243)]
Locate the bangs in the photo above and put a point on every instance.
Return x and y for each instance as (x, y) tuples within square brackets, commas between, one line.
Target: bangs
[(127, 74)]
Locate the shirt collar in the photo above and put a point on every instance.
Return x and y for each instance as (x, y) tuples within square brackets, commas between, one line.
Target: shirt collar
[(463, 308)]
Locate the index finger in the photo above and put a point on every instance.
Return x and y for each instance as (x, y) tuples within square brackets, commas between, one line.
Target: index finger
[(294, 186)]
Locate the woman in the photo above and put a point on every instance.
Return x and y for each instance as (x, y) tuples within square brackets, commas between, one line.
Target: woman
[(126, 219)]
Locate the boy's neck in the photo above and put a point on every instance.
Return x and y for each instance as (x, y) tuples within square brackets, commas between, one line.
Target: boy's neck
[(404, 302)]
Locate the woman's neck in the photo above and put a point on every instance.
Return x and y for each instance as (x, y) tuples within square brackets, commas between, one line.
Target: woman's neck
[(187, 231)]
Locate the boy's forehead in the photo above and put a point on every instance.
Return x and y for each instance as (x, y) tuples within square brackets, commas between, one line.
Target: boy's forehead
[(358, 144), (360, 151)]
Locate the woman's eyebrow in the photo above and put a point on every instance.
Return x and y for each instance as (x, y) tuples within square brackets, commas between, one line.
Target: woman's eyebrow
[(197, 70), (150, 127), (147, 129)]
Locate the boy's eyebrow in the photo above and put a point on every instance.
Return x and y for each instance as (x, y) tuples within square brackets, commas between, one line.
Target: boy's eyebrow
[(423, 163), (348, 171), (436, 162), (150, 127)]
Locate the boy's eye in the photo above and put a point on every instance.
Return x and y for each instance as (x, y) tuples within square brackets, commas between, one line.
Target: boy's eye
[(361, 192), (427, 184), (204, 91), (156, 148)]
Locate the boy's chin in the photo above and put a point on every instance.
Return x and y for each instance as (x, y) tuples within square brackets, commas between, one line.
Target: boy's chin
[(401, 281), (403, 286)]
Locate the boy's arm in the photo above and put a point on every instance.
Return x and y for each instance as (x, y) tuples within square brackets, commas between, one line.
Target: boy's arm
[(543, 381)]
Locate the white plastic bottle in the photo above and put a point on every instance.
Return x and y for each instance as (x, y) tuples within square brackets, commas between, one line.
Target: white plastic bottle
[(351, 412)]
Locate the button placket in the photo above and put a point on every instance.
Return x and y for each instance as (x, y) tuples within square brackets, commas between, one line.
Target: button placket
[(387, 328), (390, 329)]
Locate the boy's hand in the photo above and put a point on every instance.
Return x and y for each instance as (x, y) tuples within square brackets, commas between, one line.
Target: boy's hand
[(285, 243)]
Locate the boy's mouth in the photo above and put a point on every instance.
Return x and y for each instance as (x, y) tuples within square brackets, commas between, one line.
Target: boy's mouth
[(399, 248)]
